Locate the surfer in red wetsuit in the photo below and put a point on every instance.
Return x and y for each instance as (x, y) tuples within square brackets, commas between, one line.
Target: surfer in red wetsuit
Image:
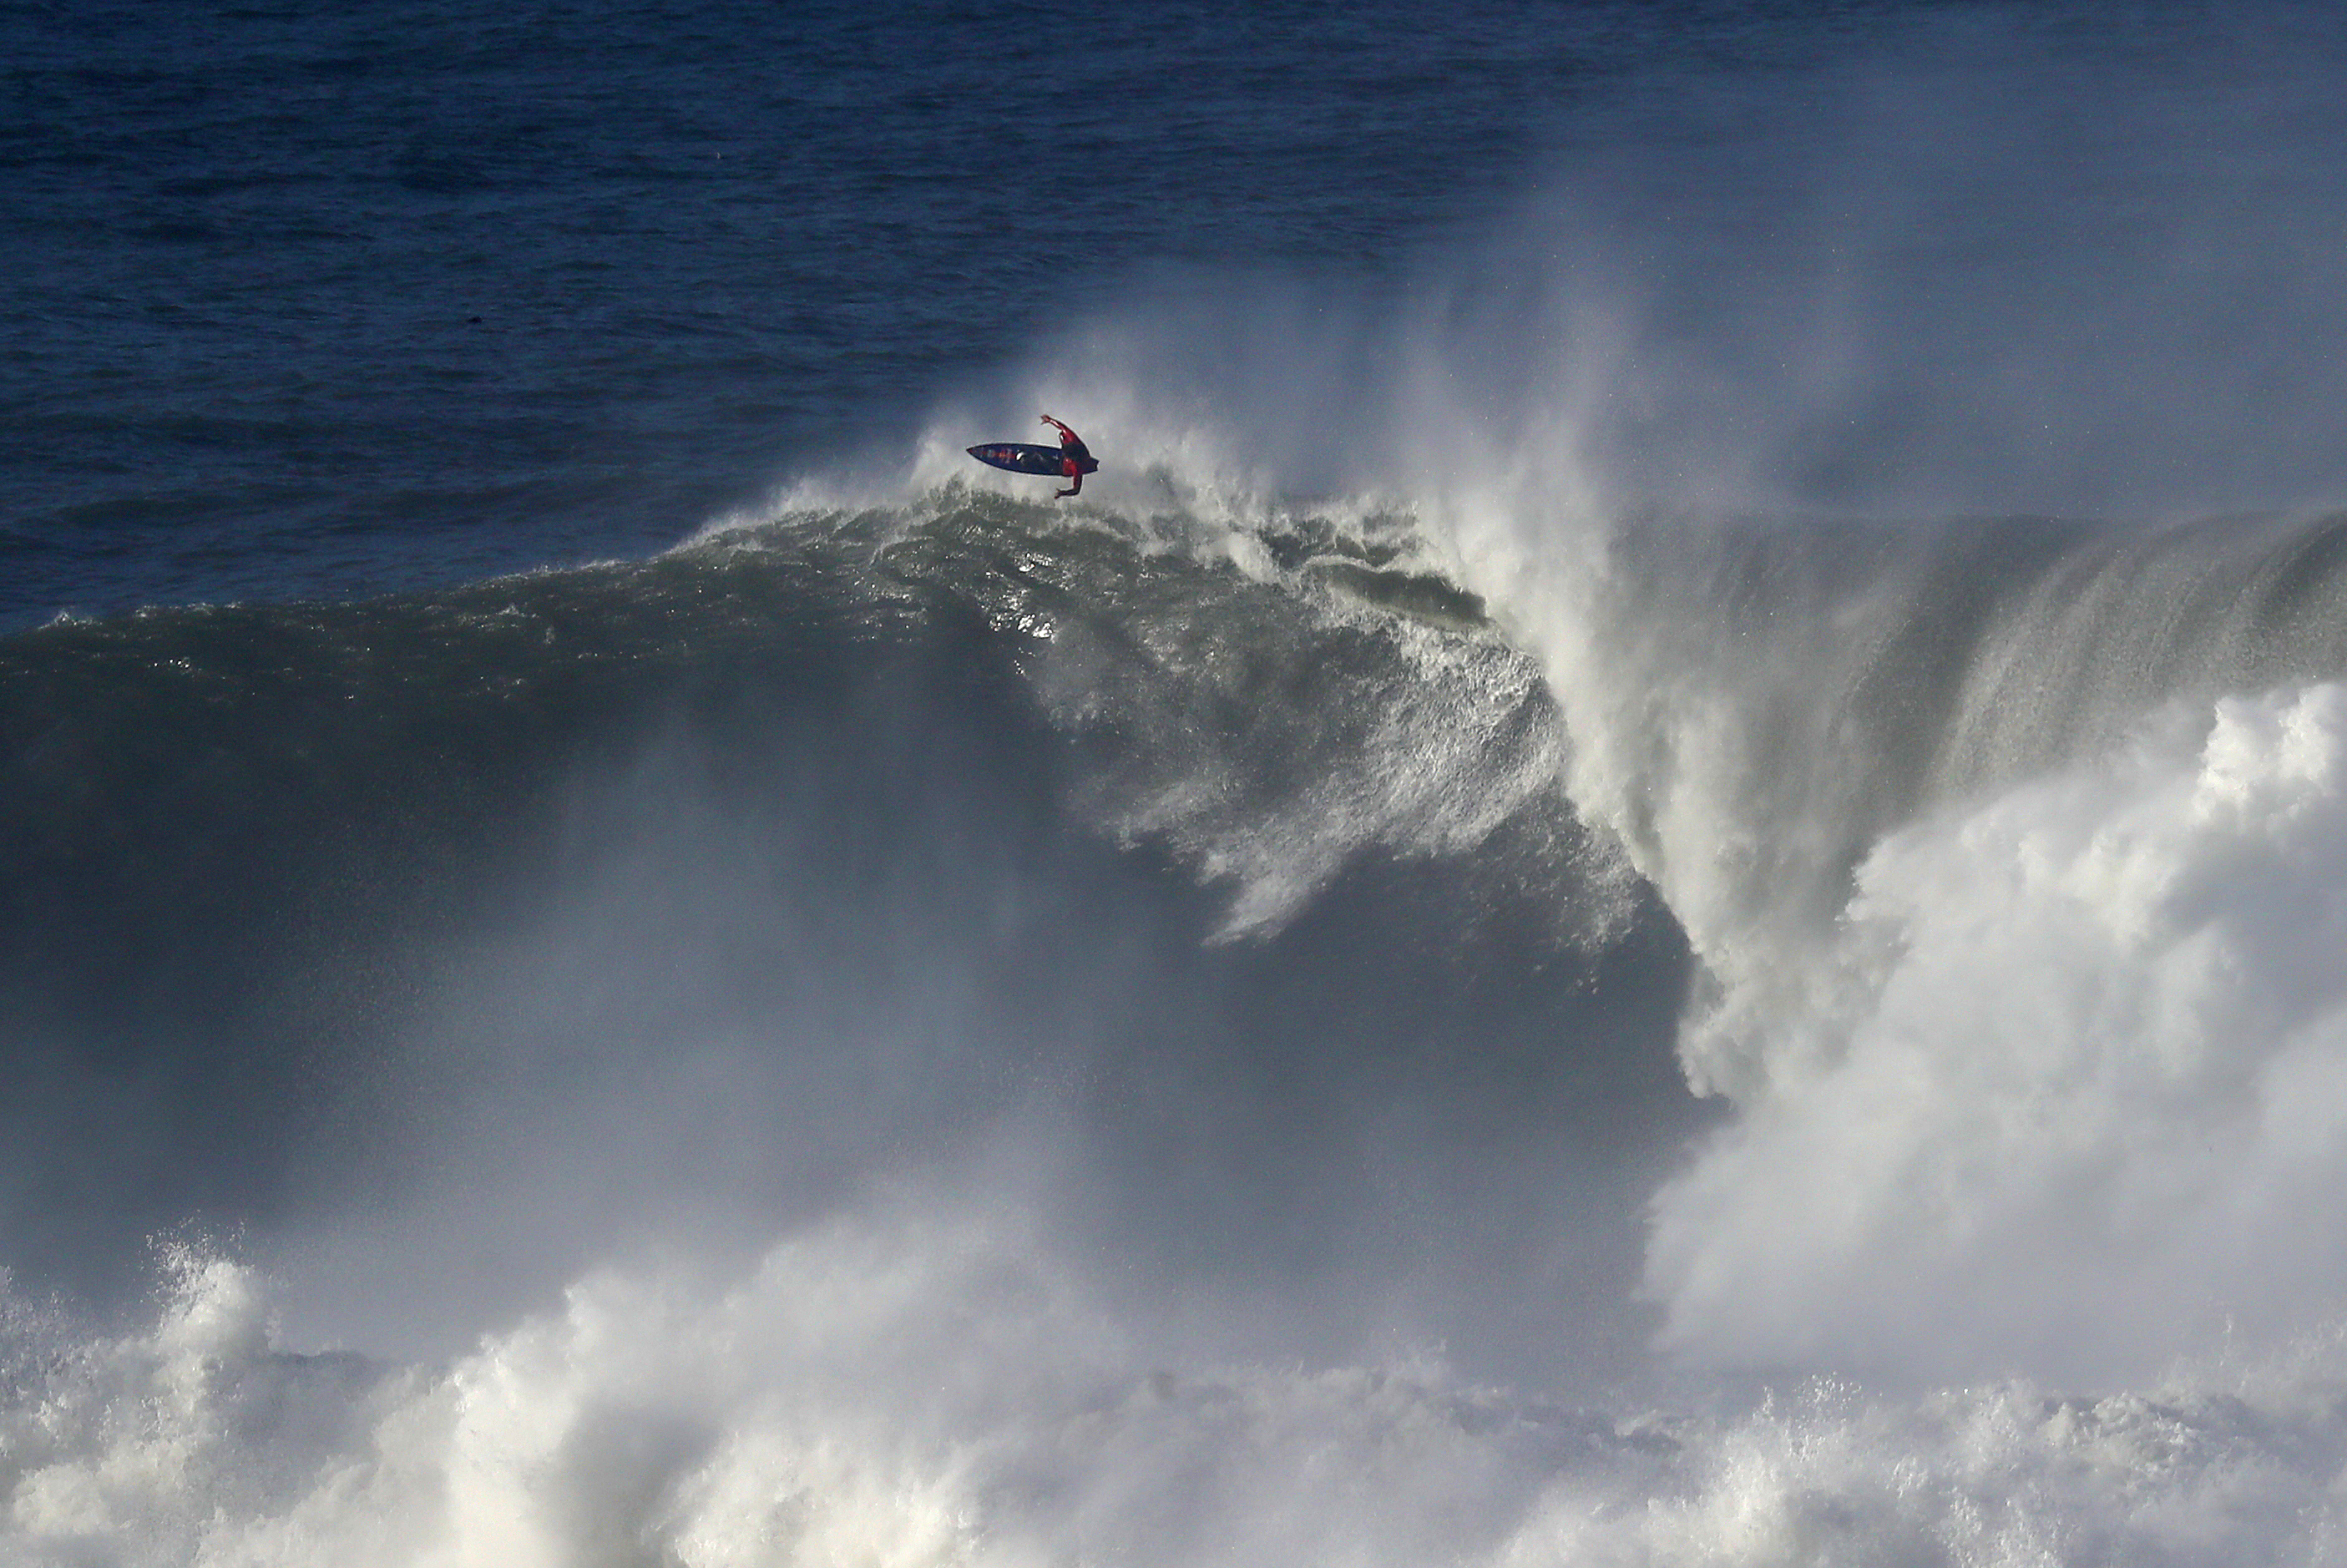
[(1075, 459)]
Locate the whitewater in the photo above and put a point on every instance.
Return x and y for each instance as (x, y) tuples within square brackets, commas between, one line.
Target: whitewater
[(1668, 889)]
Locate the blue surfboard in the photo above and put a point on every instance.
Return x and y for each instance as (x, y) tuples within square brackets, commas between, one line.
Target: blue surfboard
[(1017, 457)]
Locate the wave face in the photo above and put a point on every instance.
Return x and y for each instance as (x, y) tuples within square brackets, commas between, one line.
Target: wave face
[(587, 909)]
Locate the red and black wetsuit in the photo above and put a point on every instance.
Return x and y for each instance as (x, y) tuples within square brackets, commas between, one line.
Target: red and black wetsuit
[(1075, 458)]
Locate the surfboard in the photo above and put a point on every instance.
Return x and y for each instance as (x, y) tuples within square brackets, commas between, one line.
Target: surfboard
[(1017, 457)]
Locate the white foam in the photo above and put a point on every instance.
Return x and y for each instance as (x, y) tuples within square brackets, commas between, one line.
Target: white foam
[(2074, 1082), (915, 1393)]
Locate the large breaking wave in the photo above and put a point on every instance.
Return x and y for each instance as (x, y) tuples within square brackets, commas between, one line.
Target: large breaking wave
[(603, 926), (1658, 900)]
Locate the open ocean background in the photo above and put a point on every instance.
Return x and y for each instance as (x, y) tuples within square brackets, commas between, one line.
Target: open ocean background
[(1656, 875)]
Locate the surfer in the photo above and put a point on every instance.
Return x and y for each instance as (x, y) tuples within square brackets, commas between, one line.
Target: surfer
[(1075, 459)]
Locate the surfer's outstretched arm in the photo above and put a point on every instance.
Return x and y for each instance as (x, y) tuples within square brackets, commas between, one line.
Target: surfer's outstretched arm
[(1066, 435)]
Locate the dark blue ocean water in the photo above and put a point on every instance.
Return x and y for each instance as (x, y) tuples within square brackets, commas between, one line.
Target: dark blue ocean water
[(303, 301), (306, 301)]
